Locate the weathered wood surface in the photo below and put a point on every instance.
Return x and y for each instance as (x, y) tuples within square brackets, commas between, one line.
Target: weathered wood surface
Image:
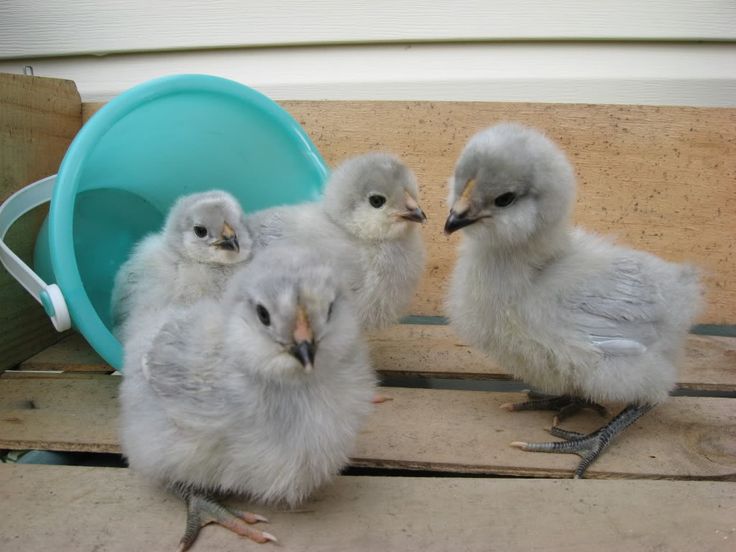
[(662, 179), (75, 508), (452, 431), (659, 178), (38, 120), (71, 354), (47, 413), (435, 351)]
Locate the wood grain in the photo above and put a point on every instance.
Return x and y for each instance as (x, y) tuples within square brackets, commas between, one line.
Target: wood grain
[(52, 413), (71, 354), (662, 179), (113, 510), (38, 120), (434, 351), (449, 431)]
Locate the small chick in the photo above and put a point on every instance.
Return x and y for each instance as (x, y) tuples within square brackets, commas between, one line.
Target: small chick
[(367, 225), (203, 239), (260, 393), (566, 311)]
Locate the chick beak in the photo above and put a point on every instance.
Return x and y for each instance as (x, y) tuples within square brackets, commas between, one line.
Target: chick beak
[(304, 348), (229, 239), (456, 221), (413, 212), (460, 213)]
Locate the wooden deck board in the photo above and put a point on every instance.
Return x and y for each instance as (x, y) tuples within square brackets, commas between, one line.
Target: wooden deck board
[(38, 120), (638, 170), (72, 508), (424, 429), (72, 354), (435, 351)]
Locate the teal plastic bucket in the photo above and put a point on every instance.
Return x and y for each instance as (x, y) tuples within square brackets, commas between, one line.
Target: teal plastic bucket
[(126, 167)]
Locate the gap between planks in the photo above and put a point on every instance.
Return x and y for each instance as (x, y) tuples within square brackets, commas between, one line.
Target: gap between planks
[(112, 509), (434, 430), (435, 351)]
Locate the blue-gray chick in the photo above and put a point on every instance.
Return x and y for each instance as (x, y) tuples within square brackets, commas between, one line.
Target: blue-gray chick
[(367, 225), (203, 240), (569, 312), (260, 393)]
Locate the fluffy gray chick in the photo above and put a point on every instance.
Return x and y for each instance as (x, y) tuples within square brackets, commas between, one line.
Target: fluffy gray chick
[(567, 311), (260, 393), (366, 224), (202, 241)]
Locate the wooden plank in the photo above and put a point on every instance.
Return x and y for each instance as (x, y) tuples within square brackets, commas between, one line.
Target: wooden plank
[(467, 431), (658, 178), (435, 351), (44, 28), (71, 354), (639, 171), (97, 509), (49, 413), (451, 431), (38, 120)]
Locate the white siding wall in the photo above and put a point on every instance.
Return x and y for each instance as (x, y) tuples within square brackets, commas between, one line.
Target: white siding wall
[(677, 52)]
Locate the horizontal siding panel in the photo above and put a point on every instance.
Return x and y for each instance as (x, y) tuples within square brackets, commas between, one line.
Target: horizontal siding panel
[(654, 74), (52, 28)]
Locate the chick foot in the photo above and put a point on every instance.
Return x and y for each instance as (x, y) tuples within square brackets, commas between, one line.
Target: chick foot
[(202, 511), (565, 405), (589, 447)]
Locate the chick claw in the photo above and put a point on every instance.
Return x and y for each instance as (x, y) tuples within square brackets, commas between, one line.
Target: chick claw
[(566, 405), (589, 447), (202, 511), (379, 399)]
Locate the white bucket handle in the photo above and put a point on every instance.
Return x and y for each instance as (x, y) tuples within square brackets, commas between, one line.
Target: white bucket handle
[(48, 295)]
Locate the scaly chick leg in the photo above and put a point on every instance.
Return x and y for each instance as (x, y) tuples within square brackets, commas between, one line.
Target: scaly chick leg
[(202, 511), (588, 447), (565, 405)]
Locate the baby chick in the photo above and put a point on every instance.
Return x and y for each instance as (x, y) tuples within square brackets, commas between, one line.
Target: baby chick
[(203, 239), (567, 311), (259, 393), (366, 224)]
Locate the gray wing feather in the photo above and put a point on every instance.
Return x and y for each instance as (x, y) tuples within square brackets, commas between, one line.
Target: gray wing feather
[(619, 310), (189, 375)]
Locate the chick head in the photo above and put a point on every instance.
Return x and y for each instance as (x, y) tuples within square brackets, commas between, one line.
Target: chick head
[(511, 184), (208, 227), (289, 314), (374, 197)]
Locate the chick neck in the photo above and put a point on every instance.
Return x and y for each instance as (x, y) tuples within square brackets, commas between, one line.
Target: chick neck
[(525, 261), (365, 237)]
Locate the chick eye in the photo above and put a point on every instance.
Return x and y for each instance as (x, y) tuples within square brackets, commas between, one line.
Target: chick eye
[(200, 231), (263, 315), (376, 200), (504, 200)]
